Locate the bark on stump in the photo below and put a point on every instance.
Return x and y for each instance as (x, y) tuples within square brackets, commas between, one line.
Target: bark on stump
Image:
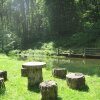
[(59, 72), (48, 90), (34, 73), (3, 74), (75, 80), (24, 72), (2, 84), (34, 77)]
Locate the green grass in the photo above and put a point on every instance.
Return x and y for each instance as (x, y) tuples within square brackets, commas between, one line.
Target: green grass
[(16, 86)]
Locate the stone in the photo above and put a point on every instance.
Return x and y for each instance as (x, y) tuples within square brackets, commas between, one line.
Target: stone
[(3, 74), (24, 72), (59, 72), (2, 85), (49, 90), (75, 80)]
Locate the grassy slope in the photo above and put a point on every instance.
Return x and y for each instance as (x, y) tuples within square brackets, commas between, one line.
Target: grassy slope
[(16, 86)]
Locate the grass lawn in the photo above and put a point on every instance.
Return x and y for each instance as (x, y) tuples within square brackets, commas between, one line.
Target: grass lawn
[(16, 86)]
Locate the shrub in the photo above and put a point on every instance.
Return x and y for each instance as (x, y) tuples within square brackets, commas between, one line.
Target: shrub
[(14, 52)]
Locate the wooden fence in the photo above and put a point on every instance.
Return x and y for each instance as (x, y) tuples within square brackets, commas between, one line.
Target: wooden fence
[(81, 53), (92, 51)]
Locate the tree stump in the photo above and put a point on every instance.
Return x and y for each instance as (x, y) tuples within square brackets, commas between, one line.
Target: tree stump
[(48, 90), (3, 74), (34, 73), (24, 72), (34, 77), (2, 85), (75, 80), (59, 72)]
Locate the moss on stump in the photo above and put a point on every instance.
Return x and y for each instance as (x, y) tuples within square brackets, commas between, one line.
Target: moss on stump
[(75, 80), (48, 90), (59, 72)]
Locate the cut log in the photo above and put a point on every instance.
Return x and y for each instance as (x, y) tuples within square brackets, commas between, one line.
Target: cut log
[(34, 77), (2, 85), (48, 90), (3, 74), (75, 80), (24, 72), (34, 73), (59, 72)]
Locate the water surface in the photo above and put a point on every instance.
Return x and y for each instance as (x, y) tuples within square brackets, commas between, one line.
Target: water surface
[(85, 66)]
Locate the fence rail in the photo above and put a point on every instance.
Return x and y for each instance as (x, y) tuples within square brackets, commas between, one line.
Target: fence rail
[(92, 51), (81, 53)]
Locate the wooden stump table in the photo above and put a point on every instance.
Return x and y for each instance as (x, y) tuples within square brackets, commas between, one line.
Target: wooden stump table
[(48, 90), (75, 80), (34, 73), (59, 72), (3, 74)]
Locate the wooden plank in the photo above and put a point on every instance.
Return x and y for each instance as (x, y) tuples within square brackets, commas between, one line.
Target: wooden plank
[(92, 51)]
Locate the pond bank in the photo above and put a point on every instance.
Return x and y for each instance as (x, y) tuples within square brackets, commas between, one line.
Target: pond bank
[(81, 56)]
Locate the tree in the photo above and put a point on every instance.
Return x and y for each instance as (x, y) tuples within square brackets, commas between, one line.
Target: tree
[(63, 16)]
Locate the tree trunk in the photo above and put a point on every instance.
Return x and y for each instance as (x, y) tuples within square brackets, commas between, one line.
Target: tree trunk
[(59, 72), (48, 90), (75, 80)]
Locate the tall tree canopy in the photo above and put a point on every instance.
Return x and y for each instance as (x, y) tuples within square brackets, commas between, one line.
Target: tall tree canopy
[(63, 16), (27, 23)]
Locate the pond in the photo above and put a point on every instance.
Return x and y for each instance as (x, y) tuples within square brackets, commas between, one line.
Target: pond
[(85, 66)]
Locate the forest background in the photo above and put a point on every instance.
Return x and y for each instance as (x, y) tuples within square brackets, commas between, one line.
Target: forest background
[(36, 24)]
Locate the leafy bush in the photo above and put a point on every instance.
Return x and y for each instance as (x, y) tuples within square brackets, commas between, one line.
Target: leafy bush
[(46, 50), (14, 52)]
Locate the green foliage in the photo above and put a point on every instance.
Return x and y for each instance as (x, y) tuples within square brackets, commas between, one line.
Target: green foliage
[(47, 49), (63, 17), (8, 41), (48, 46), (14, 52), (28, 24)]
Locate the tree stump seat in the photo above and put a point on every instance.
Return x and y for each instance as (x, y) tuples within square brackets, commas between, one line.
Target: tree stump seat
[(48, 90), (3, 74), (24, 72), (75, 80), (59, 72), (34, 70), (2, 84)]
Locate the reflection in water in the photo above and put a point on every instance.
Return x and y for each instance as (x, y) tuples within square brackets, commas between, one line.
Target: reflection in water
[(68, 61), (83, 61), (85, 66)]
